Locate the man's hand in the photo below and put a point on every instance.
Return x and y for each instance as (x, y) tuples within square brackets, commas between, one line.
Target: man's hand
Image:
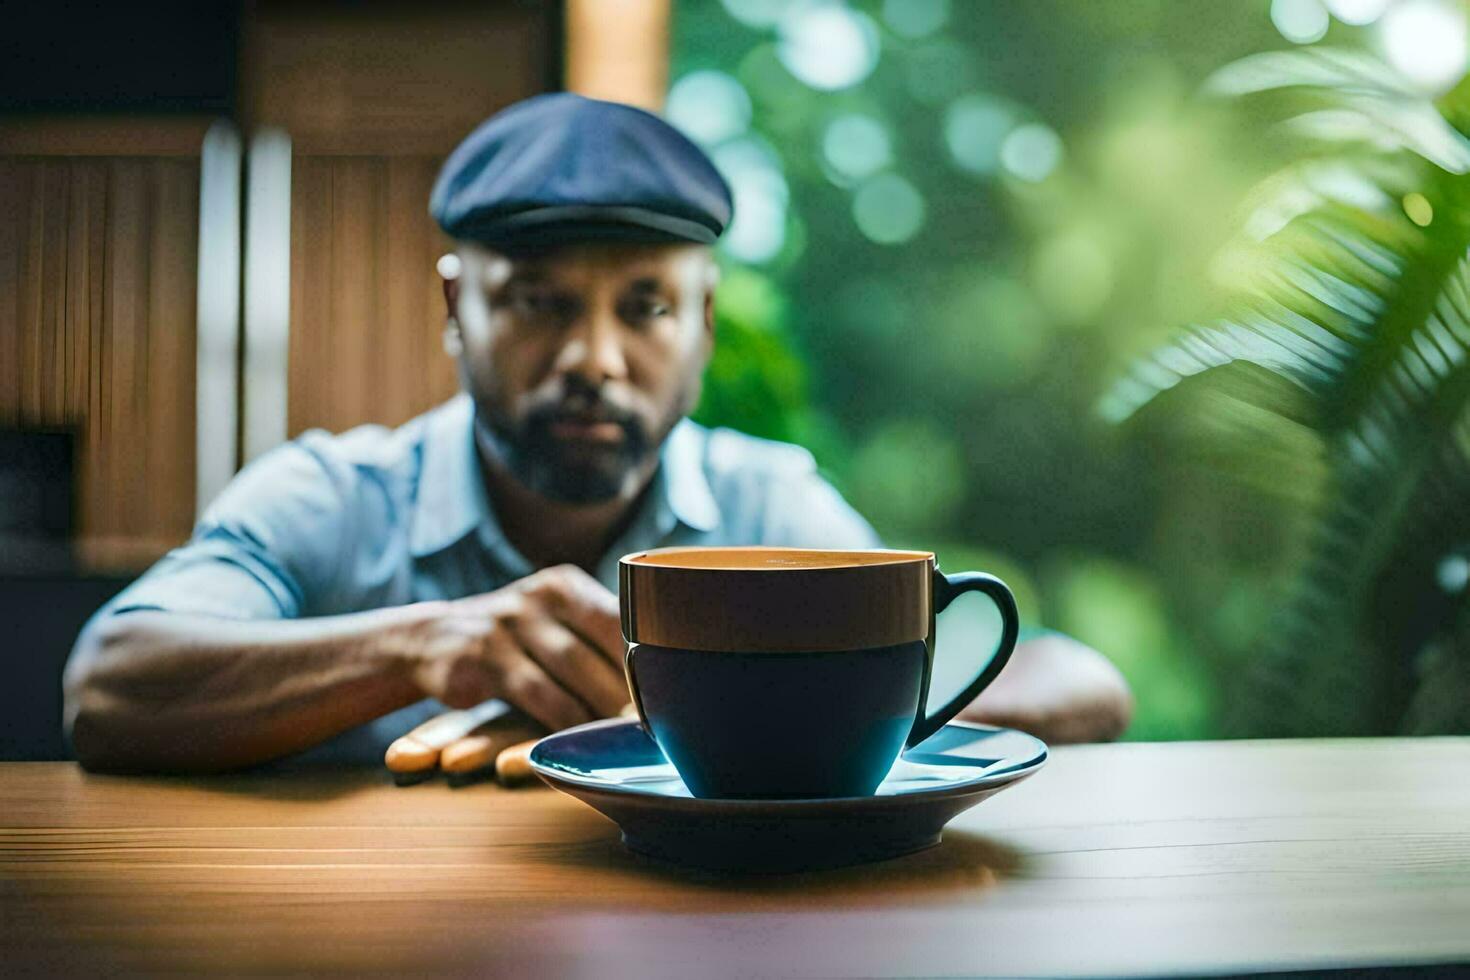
[(1058, 690), (550, 644)]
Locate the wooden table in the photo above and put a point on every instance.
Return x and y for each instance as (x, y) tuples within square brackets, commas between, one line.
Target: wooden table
[(1136, 859)]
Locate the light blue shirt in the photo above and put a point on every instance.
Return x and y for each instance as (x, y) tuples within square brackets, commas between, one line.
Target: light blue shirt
[(374, 517)]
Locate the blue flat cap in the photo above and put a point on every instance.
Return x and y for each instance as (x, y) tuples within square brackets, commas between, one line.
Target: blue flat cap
[(563, 168)]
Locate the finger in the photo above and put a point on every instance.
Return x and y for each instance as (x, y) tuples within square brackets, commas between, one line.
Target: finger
[(629, 710), (530, 688), (471, 754), (442, 729), (581, 602), (418, 751), (407, 756), (513, 765), (478, 749), (574, 664)]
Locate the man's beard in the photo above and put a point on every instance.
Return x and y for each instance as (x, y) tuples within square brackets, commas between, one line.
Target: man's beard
[(563, 470)]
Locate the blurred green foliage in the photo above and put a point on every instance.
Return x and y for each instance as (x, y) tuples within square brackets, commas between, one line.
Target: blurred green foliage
[(755, 381), (957, 225), (1342, 371)]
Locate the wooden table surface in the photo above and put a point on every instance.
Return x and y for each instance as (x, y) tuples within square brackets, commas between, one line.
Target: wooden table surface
[(1132, 859)]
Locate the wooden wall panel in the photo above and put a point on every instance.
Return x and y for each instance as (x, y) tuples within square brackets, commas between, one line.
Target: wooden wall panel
[(11, 234), (392, 89), (97, 305), (392, 78), (367, 311)]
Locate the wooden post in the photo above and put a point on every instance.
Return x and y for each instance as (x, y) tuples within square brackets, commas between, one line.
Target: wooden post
[(619, 50)]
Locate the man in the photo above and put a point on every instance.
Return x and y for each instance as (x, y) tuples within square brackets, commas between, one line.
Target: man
[(347, 587)]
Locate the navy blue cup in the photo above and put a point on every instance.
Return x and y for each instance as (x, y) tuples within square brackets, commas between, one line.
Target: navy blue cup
[(782, 673)]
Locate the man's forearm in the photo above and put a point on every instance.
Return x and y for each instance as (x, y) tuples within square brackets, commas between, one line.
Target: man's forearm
[(170, 692), (1057, 689)]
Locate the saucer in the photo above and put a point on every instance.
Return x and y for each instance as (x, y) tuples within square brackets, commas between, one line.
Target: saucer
[(617, 769)]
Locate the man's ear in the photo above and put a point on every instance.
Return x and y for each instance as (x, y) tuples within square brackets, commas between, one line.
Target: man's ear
[(448, 267), (711, 280), (451, 298)]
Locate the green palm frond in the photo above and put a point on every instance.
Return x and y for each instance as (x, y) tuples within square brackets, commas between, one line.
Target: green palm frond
[(1364, 100), (1355, 325)]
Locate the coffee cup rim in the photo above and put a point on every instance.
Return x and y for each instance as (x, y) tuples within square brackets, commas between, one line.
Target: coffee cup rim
[(841, 558)]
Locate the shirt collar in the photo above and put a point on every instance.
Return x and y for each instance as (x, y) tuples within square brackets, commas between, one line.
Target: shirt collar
[(452, 501), (686, 489)]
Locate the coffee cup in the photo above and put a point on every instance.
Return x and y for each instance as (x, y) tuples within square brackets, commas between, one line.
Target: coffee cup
[(790, 673)]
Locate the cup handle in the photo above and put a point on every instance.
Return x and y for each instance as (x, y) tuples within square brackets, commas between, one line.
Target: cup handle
[(947, 588), (633, 690)]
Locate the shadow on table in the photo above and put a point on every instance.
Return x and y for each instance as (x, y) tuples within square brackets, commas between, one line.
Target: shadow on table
[(306, 785), (961, 862)]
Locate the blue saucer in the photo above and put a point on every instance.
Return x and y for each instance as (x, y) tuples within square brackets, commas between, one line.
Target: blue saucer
[(617, 769)]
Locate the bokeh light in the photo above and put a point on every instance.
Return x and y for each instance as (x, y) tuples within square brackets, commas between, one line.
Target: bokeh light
[(1418, 208), (828, 47), (709, 106), (915, 18), (756, 13), (1357, 12), (974, 128), (1031, 152), (888, 210), (1426, 41), (855, 146), (1453, 573), (759, 188), (1300, 21)]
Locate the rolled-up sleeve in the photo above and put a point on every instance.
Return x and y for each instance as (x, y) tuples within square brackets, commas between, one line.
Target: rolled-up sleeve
[(268, 546)]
